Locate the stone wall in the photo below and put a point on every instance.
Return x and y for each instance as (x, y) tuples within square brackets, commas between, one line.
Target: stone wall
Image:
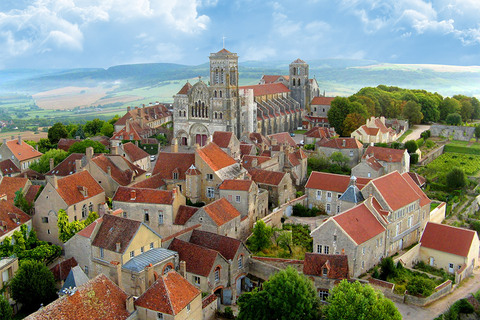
[(453, 132), (409, 258), (432, 156), (437, 215), (264, 267), (274, 218), (209, 306), (440, 291)]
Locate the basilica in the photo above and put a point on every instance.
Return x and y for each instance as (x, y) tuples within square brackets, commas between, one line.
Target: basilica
[(276, 104)]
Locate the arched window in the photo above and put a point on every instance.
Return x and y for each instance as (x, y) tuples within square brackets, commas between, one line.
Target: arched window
[(217, 274), (299, 82), (233, 78), (215, 93), (84, 211), (220, 93), (180, 113), (294, 71), (167, 268), (215, 115), (90, 207), (221, 115), (216, 76)]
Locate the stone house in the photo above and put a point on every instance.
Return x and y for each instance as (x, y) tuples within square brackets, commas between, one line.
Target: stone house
[(375, 131), (170, 297), (84, 303), (134, 154), (449, 248), (11, 219), (156, 208), (21, 153), (349, 147), (171, 168), (219, 217), (325, 270), (324, 190), (8, 168), (78, 194), (296, 165), (8, 268), (317, 134), (127, 251), (309, 122), (378, 161), (282, 139), (319, 106), (153, 116), (278, 184), (228, 142)]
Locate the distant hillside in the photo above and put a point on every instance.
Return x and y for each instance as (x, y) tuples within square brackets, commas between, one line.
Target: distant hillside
[(335, 76)]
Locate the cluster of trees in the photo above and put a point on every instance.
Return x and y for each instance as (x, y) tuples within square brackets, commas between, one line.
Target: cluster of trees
[(67, 229), (336, 163), (347, 114), (91, 128)]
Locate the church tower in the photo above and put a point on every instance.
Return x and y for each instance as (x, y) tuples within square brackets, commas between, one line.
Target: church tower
[(224, 89), (299, 83)]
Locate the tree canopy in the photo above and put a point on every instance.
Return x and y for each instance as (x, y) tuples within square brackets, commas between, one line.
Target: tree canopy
[(81, 146), (43, 164), (57, 132), (6, 311), (352, 300), (286, 295), (260, 238), (67, 229), (456, 179)]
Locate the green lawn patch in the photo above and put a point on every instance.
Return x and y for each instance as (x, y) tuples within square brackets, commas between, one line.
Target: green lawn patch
[(405, 135)]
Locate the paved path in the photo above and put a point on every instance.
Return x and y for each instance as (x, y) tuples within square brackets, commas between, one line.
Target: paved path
[(409, 312), (417, 130)]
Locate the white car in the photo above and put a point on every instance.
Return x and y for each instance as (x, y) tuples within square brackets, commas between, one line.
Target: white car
[(152, 158)]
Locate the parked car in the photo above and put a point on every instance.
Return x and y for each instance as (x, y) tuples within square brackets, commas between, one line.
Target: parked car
[(152, 158)]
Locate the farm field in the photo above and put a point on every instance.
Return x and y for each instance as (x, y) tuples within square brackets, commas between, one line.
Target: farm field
[(465, 147), (26, 135), (469, 163)]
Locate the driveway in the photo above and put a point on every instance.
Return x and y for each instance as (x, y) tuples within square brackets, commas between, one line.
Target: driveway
[(417, 130)]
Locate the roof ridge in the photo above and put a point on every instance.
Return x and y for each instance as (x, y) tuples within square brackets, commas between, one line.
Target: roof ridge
[(163, 277)]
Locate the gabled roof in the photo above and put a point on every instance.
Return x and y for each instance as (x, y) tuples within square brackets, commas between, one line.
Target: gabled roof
[(70, 187), (298, 61), (187, 86), (32, 192), (122, 170), (418, 179), (237, 185), (272, 78), (246, 148), (224, 51), (99, 299), (332, 181), (369, 131), (199, 260), (8, 167), (448, 239), (337, 265), (140, 195), (115, 230), (341, 143), (11, 217), (22, 151), (169, 161), (385, 154), (222, 138), (323, 101), (227, 246), (76, 277), (184, 213), (283, 138), (320, 132), (352, 194), (247, 160), (170, 294), (395, 190), (215, 157), (424, 200), (148, 113), (134, 152), (67, 166), (10, 185), (266, 89), (359, 223), (154, 182), (221, 211), (61, 270), (266, 177), (65, 144)]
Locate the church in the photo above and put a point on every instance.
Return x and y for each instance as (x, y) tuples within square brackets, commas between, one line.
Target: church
[(275, 105)]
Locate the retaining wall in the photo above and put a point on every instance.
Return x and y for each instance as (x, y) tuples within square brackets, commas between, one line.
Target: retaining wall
[(453, 132)]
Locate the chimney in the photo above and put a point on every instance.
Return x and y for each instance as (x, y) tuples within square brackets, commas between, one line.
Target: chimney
[(89, 153), (118, 247), (127, 126), (109, 171), (183, 269), (343, 251), (344, 143), (133, 194), (55, 181), (19, 139), (128, 108), (129, 304), (78, 165), (114, 150), (51, 163), (149, 275), (118, 271), (136, 143)]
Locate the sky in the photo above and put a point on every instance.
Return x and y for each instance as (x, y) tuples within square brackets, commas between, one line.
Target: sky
[(44, 34)]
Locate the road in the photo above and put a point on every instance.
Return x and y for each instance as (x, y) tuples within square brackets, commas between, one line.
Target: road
[(417, 130)]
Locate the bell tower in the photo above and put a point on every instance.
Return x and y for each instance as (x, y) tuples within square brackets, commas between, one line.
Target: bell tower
[(299, 82)]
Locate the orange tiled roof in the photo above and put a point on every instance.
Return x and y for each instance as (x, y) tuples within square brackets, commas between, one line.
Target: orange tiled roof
[(32, 193), (184, 213), (272, 78), (222, 138), (22, 151), (337, 265), (215, 157), (69, 187), (221, 211), (167, 162), (140, 195), (266, 177), (123, 177), (8, 167), (227, 246), (266, 89), (10, 185), (170, 294), (370, 131), (332, 181), (448, 239), (283, 138), (246, 149), (239, 185), (99, 299), (62, 269), (199, 260), (424, 200), (396, 191), (323, 101), (185, 88), (11, 217), (154, 182), (134, 152), (341, 143), (359, 223), (385, 154)]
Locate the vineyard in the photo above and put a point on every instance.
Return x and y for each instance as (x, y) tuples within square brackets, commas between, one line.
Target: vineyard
[(469, 163)]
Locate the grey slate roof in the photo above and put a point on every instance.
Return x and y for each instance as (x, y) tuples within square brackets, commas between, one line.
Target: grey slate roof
[(352, 194), (75, 278), (152, 256)]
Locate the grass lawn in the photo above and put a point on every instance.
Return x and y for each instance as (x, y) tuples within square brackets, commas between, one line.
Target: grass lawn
[(463, 147), (405, 135), (300, 131)]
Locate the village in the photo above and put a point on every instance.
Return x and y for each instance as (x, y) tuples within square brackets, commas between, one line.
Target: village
[(170, 228)]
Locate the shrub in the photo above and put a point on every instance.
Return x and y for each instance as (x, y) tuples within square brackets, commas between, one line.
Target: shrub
[(420, 142), (388, 268), (419, 286), (413, 158), (425, 134), (429, 144), (454, 119), (456, 179), (411, 146), (309, 146)]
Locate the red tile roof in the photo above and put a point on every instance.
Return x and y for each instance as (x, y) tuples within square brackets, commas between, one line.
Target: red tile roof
[(385, 154), (424, 200), (247, 161), (221, 211), (332, 182), (22, 151), (154, 182), (215, 157), (396, 191), (140, 195), (267, 177), (88, 230), (61, 270), (359, 223), (10, 185), (224, 51), (123, 175), (170, 294), (222, 138), (272, 78), (69, 187), (246, 149), (199, 260), (266, 89), (11, 217), (132, 134), (239, 185), (448, 239), (370, 131), (8, 167), (167, 162), (187, 86), (115, 230), (323, 101), (341, 143), (67, 166), (283, 138), (373, 163), (134, 152), (337, 265), (419, 180), (98, 299), (228, 247), (65, 144), (320, 132), (148, 113), (184, 213), (32, 193)]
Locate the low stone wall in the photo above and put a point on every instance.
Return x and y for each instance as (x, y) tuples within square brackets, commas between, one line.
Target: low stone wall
[(432, 156), (209, 307), (440, 291), (274, 218), (453, 132), (409, 258), (437, 215), (385, 285), (264, 267), (463, 273)]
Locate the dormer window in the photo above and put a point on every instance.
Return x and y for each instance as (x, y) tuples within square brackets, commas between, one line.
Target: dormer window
[(175, 176), (324, 272)]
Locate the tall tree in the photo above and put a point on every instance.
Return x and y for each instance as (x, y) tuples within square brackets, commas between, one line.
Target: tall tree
[(93, 128), (286, 295), (356, 301), (57, 132), (448, 106), (81, 146), (412, 112), (261, 235), (352, 122), (339, 109), (43, 164)]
